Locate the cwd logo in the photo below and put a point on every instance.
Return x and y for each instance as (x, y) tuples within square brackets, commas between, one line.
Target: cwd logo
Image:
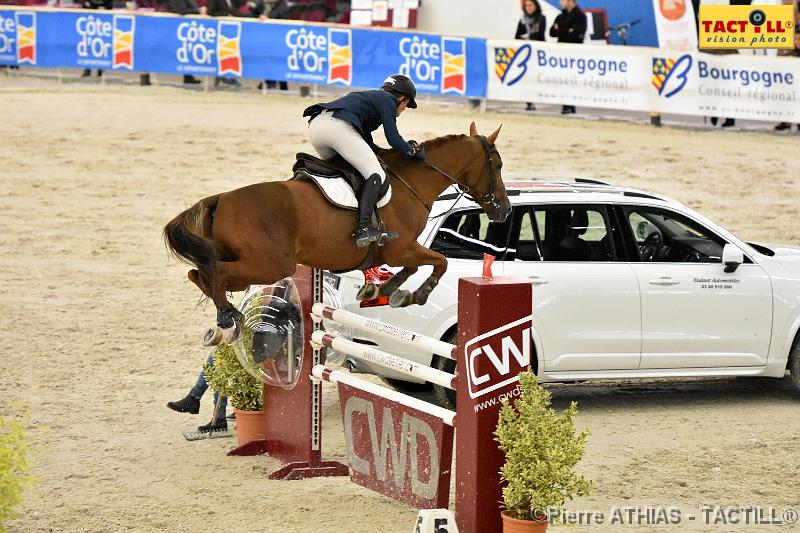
[(26, 38), (124, 26), (511, 64), (454, 65), (496, 358), (670, 75), (229, 55), (340, 56)]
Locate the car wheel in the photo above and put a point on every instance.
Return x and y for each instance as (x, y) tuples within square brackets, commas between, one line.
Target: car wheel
[(407, 386), (794, 366), (444, 396)]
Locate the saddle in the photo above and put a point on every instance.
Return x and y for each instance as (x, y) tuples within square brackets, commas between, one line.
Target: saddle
[(335, 168)]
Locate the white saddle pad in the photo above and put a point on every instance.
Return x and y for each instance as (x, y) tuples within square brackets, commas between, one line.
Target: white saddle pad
[(339, 193)]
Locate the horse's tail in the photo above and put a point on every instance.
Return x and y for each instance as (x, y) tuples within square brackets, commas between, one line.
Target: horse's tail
[(188, 237)]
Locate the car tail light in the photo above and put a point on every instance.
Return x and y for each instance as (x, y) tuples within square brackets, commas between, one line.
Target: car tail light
[(377, 275)]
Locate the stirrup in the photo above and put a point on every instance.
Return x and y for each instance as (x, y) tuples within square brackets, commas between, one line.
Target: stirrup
[(386, 236)]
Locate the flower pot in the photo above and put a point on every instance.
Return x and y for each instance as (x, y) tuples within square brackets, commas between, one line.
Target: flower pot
[(250, 426), (515, 525)]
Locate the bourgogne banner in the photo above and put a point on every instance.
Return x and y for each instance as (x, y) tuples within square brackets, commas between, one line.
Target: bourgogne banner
[(645, 79)]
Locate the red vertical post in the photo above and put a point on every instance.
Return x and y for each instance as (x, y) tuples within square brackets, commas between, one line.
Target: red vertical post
[(293, 418), (495, 344)]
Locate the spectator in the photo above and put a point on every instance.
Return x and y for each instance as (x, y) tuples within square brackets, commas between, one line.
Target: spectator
[(569, 27), (183, 7), (191, 403), (95, 4), (531, 28), (223, 8), (278, 9)]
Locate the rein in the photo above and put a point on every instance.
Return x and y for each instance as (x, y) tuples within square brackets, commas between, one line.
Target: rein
[(481, 199)]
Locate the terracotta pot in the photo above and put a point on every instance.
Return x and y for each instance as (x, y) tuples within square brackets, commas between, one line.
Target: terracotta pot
[(250, 426), (515, 525)]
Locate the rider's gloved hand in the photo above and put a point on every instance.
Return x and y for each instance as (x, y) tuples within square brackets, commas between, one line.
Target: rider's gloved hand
[(419, 153)]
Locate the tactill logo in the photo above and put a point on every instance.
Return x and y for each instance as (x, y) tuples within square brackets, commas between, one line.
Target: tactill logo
[(495, 359)]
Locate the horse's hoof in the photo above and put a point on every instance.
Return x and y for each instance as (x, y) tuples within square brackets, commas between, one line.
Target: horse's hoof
[(401, 298), (212, 337), (368, 292), (229, 335)]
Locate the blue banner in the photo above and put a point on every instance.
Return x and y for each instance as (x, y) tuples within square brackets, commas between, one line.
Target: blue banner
[(327, 55)]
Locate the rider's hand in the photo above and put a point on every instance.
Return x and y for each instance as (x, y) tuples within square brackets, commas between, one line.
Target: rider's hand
[(419, 153)]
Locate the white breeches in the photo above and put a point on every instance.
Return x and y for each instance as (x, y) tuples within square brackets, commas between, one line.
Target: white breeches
[(331, 136)]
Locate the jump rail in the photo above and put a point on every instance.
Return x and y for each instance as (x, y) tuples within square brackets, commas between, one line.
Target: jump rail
[(336, 376), (408, 338), (366, 352)]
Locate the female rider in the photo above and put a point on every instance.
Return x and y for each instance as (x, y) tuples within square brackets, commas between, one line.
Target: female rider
[(345, 127)]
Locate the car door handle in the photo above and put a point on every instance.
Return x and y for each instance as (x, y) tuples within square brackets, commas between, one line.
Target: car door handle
[(536, 280), (664, 281)]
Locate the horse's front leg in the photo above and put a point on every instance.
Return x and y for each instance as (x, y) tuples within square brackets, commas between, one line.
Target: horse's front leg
[(370, 291), (418, 256)]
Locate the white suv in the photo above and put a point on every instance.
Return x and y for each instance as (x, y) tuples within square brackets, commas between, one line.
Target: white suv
[(626, 284)]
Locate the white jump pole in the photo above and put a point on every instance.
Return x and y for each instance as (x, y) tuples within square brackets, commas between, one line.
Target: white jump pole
[(336, 376), (373, 355), (408, 338)]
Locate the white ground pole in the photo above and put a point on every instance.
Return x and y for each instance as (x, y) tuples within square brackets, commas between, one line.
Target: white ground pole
[(336, 376), (370, 354), (409, 338)]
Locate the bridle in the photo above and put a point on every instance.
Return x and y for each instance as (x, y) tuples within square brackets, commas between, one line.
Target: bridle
[(488, 198)]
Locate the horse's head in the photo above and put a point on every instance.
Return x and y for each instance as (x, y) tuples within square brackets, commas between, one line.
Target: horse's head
[(483, 181)]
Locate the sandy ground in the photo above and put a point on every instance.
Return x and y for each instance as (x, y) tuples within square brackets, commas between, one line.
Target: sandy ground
[(102, 330)]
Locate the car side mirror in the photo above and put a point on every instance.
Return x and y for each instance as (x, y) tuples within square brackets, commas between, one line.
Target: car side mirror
[(732, 257)]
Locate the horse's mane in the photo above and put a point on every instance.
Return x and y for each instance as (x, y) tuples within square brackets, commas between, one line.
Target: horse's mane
[(438, 141)]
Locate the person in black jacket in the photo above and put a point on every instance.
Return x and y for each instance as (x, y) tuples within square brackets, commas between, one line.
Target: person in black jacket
[(569, 27), (345, 127), (531, 28)]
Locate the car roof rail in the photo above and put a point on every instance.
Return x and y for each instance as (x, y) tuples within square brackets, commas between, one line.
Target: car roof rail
[(592, 182)]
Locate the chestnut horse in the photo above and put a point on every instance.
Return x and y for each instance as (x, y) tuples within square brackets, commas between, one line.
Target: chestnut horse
[(259, 233)]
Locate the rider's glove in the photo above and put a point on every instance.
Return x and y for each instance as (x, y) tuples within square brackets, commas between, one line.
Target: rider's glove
[(419, 153)]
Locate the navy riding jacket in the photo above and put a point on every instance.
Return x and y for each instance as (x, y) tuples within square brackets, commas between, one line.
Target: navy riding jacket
[(367, 111)]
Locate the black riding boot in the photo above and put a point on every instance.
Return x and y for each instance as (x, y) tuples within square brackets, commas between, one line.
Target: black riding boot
[(365, 233)]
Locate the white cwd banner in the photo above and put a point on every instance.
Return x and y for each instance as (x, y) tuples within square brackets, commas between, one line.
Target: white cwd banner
[(645, 79)]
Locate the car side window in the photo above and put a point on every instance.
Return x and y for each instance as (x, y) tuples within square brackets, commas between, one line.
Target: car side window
[(528, 242), (574, 233), (664, 236), (470, 234)]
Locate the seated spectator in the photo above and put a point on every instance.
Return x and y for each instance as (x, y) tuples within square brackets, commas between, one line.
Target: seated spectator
[(531, 28), (183, 7), (191, 403), (278, 9), (95, 4)]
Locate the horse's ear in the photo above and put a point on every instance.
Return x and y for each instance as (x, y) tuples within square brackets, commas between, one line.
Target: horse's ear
[(473, 129), (493, 136)]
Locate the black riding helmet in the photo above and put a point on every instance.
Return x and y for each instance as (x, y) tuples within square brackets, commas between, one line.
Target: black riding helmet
[(397, 83)]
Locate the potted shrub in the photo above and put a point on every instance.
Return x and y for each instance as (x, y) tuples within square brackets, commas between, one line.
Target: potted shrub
[(542, 449), (245, 393)]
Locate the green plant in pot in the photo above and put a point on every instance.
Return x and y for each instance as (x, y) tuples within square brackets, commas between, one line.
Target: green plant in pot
[(542, 449), (245, 393)]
